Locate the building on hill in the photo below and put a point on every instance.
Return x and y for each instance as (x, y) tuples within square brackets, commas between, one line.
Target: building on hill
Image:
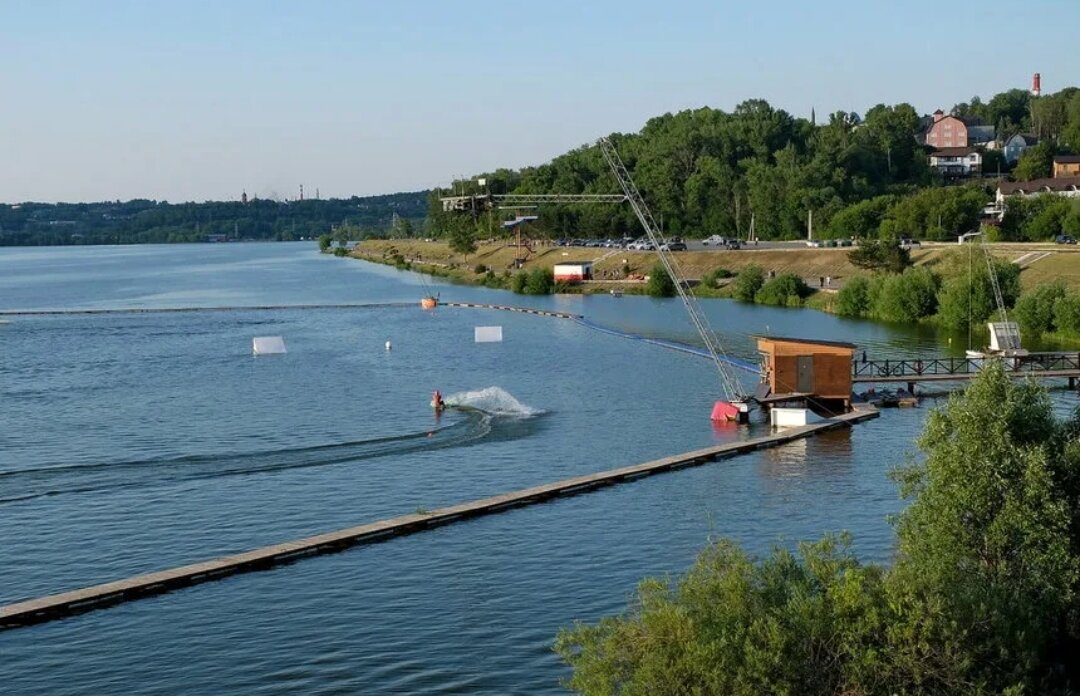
[(946, 131), (1017, 144), (982, 136), (1066, 166), (1068, 186), (954, 162)]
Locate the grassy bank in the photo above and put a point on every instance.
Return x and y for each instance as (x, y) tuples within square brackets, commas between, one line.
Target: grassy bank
[(613, 266)]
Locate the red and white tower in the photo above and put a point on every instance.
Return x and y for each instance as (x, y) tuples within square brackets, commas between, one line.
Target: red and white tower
[(1036, 84)]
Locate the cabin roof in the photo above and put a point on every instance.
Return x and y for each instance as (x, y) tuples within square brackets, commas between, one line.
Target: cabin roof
[(808, 341)]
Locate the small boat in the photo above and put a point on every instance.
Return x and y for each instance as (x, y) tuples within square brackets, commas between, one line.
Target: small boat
[(616, 292)]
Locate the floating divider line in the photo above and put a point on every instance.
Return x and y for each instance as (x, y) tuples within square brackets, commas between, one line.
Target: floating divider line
[(78, 601), (673, 345), (511, 308), (176, 310)]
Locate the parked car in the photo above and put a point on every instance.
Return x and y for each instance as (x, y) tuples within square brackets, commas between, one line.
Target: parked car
[(1064, 239), (715, 240), (732, 244), (908, 241), (673, 246), (813, 243)]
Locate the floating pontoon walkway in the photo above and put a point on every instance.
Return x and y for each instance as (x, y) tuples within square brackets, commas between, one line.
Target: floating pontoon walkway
[(89, 598)]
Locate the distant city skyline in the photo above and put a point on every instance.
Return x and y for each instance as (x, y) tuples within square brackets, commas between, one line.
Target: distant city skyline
[(203, 100)]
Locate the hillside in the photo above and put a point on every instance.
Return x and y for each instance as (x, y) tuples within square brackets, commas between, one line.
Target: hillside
[(706, 171)]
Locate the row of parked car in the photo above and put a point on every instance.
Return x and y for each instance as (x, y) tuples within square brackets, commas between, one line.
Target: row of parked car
[(642, 244)]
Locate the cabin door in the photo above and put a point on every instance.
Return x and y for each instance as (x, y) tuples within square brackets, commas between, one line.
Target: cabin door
[(805, 379)]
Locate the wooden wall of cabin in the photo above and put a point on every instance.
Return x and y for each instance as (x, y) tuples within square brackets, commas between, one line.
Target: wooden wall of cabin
[(832, 375), (785, 374)]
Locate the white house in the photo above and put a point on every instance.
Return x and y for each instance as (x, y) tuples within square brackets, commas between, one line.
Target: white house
[(572, 271), (1068, 186), (1015, 146), (957, 161)]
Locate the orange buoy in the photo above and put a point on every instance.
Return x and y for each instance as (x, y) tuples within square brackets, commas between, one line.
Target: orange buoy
[(429, 303)]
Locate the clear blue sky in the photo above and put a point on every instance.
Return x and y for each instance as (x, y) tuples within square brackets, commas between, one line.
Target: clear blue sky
[(198, 100)]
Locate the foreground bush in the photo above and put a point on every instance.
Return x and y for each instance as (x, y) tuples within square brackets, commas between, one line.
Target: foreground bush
[(982, 598)]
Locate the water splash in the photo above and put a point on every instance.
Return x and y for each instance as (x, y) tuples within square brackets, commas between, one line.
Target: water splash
[(492, 400)]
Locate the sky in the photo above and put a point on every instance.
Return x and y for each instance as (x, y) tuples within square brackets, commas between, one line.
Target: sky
[(195, 100)]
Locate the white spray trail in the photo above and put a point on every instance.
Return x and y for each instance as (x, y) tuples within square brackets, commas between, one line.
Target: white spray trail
[(493, 401)]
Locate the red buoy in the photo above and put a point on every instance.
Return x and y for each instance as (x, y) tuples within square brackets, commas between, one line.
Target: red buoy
[(728, 411)]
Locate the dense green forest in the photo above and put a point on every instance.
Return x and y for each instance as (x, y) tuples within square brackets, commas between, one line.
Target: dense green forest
[(706, 171), (142, 221)]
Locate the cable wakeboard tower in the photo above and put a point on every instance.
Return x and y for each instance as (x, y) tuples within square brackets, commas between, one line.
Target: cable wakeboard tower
[(735, 405)]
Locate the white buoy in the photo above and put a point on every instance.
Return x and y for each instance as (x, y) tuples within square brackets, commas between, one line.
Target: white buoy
[(388, 346)]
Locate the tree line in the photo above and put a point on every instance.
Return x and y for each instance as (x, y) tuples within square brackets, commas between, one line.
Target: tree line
[(707, 171), (146, 221)]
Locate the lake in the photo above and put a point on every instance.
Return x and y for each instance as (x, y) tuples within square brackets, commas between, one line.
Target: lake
[(136, 442)]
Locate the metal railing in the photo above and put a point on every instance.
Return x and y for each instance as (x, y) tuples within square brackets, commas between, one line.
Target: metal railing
[(1034, 363)]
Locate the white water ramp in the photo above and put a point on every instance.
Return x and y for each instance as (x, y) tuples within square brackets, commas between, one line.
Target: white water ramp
[(268, 345), (488, 334)]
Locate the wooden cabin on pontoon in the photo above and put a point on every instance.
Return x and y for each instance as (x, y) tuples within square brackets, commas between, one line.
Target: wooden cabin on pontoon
[(808, 371)]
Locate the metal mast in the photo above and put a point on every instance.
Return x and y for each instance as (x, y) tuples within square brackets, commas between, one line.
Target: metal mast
[(728, 382), (1013, 339)]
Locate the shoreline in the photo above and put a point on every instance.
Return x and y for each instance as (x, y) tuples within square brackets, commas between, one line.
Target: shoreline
[(479, 269)]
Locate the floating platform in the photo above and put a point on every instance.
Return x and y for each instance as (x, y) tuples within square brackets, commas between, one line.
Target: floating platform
[(86, 599)]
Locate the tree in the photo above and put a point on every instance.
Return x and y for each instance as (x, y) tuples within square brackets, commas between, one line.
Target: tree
[(1034, 310), (539, 281), (968, 300), (785, 290), (853, 299), (908, 296), (1071, 133), (880, 255), (748, 282), (1035, 162), (463, 238), (942, 213), (860, 220), (1048, 116), (1067, 314), (660, 283), (325, 241), (989, 533)]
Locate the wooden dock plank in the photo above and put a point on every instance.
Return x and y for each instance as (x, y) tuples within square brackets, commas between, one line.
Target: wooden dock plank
[(84, 599)]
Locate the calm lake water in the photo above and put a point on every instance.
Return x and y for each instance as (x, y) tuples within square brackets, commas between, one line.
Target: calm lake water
[(132, 443)]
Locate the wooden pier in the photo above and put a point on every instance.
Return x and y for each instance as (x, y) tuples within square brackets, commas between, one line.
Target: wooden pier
[(110, 593)]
